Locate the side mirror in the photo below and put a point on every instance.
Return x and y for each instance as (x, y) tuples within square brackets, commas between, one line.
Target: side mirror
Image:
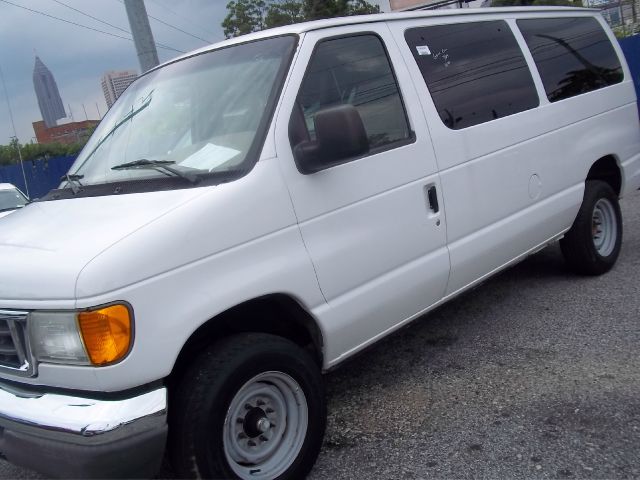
[(340, 135)]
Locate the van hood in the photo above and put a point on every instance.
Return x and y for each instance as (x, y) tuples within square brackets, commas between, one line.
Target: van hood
[(5, 213), (45, 245)]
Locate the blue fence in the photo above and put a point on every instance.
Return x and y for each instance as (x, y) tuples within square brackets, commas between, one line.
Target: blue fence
[(42, 175), (631, 48)]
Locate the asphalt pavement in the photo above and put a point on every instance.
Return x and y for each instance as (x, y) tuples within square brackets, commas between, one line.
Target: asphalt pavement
[(534, 374)]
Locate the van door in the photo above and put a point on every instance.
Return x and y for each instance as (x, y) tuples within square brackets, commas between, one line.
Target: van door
[(500, 178), (372, 218)]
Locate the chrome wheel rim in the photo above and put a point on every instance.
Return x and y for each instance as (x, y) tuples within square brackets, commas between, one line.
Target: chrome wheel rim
[(265, 426), (604, 227)]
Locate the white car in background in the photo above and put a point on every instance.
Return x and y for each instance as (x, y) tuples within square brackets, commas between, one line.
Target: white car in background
[(11, 199)]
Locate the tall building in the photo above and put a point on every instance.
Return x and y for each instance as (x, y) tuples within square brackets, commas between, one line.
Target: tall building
[(114, 83), (142, 36), (49, 100)]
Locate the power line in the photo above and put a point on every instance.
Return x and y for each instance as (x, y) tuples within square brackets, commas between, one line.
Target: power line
[(91, 16), (109, 24), (176, 28), (180, 30), (186, 19), (63, 20), (79, 24)]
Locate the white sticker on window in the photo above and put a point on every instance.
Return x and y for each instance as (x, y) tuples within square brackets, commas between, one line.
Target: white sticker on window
[(423, 50), (210, 157)]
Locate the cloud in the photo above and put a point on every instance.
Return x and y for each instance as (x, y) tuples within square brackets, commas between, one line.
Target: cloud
[(78, 57)]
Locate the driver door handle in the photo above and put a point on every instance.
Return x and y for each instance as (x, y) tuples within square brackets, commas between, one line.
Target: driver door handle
[(432, 197)]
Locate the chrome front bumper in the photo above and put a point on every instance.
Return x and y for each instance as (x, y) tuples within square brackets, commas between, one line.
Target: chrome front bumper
[(74, 436), (78, 415)]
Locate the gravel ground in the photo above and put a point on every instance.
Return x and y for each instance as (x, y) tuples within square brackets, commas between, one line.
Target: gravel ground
[(535, 374)]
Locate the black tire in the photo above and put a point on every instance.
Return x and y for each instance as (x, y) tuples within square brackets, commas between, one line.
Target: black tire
[(202, 399), (578, 245)]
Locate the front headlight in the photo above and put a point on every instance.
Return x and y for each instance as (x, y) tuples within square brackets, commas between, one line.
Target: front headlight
[(55, 338), (90, 337)]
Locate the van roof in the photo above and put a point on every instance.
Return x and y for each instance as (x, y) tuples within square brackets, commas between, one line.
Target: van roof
[(303, 27), (7, 186)]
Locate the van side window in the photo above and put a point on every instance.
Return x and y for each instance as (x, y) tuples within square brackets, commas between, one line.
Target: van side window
[(573, 55), (354, 71), (475, 72)]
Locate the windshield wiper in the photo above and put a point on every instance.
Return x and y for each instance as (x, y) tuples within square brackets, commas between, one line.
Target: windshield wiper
[(163, 166), (72, 179), (128, 116)]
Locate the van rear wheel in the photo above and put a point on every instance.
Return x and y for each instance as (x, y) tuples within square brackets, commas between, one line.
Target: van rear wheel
[(592, 245), (251, 407)]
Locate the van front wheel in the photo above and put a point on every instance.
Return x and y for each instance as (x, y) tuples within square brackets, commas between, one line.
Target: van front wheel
[(252, 407), (592, 245)]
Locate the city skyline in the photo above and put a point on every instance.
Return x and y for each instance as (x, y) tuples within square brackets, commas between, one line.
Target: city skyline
[(79, 56)]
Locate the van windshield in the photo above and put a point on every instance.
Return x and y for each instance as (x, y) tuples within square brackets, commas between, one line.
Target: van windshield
[(196, 119)]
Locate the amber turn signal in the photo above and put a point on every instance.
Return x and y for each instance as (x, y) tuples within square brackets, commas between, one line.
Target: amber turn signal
[(106, 333)]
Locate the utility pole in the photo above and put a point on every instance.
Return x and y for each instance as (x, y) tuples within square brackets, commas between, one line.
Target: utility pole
[(15, 134), (142, 35), (385, 6)]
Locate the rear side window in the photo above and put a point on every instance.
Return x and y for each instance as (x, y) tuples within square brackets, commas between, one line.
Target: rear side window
[(573, 55), (356, 71), (475, 72)]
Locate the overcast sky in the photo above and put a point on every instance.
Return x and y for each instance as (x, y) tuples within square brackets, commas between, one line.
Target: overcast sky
[(78, 57)]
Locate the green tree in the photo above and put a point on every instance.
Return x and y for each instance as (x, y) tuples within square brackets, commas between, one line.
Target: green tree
[(245, 16), (285, 13), (35, 151), (8, 155), (361, 7), (317, 9)]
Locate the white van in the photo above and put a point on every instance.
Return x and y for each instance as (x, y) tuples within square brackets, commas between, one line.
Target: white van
[(252, 214)]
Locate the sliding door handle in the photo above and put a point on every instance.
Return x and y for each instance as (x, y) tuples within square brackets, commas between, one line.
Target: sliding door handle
[(432, 197)]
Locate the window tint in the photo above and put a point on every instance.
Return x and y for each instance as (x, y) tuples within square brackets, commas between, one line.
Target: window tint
[(573, 55), (475, 72), (355, 71)]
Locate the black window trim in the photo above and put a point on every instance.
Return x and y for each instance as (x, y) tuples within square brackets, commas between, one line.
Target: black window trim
[(374, 151)]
